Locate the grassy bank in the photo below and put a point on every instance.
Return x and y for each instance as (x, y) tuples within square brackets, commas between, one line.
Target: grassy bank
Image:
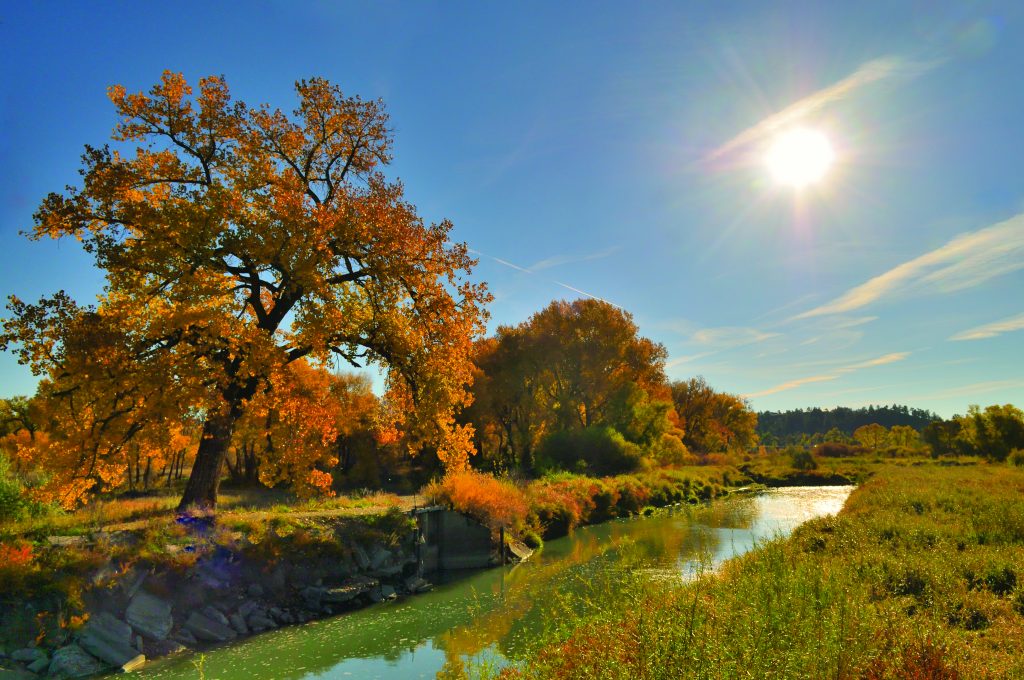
[(920, 576), (54, 570), (555, 504)]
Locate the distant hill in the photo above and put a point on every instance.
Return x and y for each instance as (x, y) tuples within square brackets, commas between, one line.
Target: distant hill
[(786, 426)]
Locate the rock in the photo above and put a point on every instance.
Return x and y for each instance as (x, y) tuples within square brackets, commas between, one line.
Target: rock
[(10, 670), (158, 648), (379, 557), (110, 639), (276, 580), (375, 595), (286, 617), (138, 643), (417, 584), (74, 662), (110, 627), (238, 623), (150, 615), (518, 550), (255, 590), (210, 630), (67, 541), (248, 608), (361, 558), (259, 622), (186, 638), (28, 654), (388, 572), (388, 592), (213, 613), (104, 575), (313, 596), (133, 587), (343, 594), (39, 665), (275, 613)]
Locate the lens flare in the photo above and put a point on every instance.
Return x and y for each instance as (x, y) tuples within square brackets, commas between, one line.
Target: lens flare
[(799, 157)]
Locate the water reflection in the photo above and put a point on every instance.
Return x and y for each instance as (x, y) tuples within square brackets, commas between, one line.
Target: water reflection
[(493, 613)]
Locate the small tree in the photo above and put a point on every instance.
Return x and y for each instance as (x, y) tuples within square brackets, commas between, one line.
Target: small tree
[(873, 436), (802, 459)]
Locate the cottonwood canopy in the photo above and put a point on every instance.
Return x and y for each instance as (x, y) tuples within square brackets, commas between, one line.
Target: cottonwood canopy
[(237, 240)]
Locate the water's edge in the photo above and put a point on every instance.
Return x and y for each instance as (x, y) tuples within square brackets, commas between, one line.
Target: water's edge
[(493, 612)]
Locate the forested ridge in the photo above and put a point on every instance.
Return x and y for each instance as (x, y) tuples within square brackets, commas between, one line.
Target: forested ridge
[(789, 426)]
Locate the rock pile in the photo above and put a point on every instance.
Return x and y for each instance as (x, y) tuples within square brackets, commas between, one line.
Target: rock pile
[(224, 596)]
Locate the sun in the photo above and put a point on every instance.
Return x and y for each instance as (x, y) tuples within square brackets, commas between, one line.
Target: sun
[(800, 157)]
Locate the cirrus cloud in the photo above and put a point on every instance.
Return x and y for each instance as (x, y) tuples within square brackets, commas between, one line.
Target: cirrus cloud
[(964, 262), (991, 330)]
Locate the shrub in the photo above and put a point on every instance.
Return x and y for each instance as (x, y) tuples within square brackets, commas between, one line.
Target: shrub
[(13, 505), (532, 539), (493, 502), (837, 450), (601, 450), (17, 562), (1016, 457), (633, 495), (802, 459)]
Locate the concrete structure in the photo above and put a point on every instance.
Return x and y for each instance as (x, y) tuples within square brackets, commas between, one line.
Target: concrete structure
[(451, 540)]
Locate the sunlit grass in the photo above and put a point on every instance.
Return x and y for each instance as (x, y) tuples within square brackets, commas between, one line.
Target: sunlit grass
[(919, 577)]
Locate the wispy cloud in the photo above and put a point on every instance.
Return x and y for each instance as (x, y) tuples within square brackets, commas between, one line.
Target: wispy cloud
[(532, 270), (831, 375), (730, 336), (679, 361), (559, 260), (966, 261), (884, 68), (791, 384), (879, 361), (991, 330), (973, 388)]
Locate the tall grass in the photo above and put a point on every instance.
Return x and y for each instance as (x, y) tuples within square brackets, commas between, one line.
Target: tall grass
[(920, 576)]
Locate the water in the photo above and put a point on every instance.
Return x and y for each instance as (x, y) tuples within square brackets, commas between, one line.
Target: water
[(491, 614)]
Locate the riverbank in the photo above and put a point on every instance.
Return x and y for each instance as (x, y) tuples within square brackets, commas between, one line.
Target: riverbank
[(85, 604), (919, 576), (258, 568)]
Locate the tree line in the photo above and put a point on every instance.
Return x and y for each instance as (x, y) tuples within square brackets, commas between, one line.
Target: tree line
[(798, 426)]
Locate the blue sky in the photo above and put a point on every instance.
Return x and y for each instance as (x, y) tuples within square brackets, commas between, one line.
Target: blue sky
[(617, 149)]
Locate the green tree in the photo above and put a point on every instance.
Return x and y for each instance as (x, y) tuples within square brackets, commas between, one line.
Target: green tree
[(994, 432), (904, 436), (873, 436), (941, 436)]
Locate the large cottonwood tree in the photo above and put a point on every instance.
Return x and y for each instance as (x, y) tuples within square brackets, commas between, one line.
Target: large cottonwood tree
[(237, 240)]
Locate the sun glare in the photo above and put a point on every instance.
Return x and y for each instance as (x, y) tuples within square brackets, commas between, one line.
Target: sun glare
[(799, 157)]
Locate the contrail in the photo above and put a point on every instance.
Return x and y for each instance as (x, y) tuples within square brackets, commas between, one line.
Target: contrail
[(533, 273)]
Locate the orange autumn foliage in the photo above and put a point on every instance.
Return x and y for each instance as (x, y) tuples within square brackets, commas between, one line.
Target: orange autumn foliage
[(237, 240), (493, 502)]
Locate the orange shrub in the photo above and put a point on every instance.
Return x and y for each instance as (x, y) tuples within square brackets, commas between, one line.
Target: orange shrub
[(557, 510), (17, 563), (494, 502)]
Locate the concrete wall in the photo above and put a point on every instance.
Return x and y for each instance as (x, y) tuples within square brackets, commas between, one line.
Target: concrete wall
[(451, 540)]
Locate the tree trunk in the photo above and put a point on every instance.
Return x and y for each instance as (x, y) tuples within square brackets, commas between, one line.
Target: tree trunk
[(204, 480)]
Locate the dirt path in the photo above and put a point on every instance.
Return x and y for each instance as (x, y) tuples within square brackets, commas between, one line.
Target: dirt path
[(404, 503)]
